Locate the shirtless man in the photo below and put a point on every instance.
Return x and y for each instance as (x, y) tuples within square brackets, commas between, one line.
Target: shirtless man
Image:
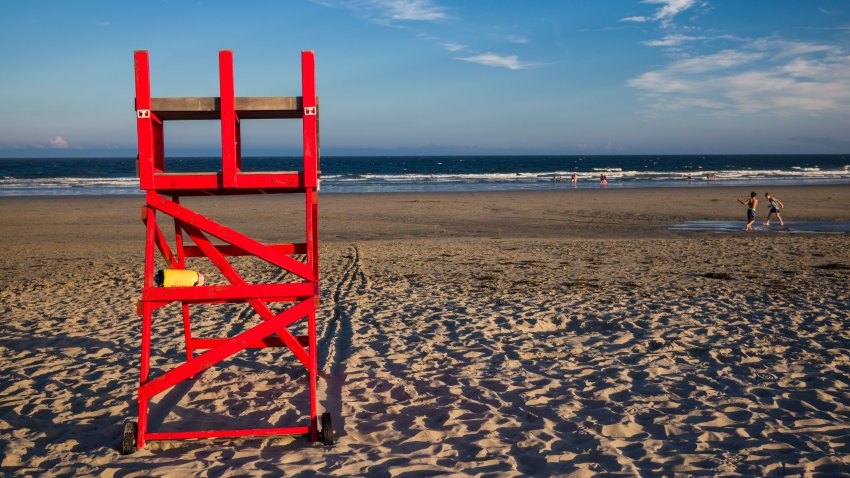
[(775, 205), (751, 204)]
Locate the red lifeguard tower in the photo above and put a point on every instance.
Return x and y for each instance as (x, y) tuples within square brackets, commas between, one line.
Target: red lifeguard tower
[(300, 261)]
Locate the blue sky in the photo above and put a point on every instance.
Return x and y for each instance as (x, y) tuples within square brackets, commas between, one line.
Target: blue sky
[(439, 77)]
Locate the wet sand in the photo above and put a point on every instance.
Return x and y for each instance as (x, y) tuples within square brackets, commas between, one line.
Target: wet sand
[(565, 333)]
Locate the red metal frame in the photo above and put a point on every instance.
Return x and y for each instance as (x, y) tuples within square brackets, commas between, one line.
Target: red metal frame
[(163, 192)]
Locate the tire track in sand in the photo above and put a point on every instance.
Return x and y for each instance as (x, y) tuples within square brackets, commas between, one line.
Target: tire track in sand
[(335, 345)]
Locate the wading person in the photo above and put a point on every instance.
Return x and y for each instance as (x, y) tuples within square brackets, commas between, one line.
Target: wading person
[(775, 206), (751, 204)]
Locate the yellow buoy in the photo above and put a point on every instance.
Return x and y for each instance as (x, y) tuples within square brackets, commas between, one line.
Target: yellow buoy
[(178, 278)]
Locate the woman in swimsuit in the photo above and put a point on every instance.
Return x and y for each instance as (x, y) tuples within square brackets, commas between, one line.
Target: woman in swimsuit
[(751, 204)]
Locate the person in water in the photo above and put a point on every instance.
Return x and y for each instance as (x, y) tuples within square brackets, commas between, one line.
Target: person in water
[(775, 206), (751, 204)]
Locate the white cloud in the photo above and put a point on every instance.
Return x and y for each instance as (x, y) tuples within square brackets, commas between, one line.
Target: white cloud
[(450, 46), (813, 69), (415, 10), (390, 11), (669, 9), (58, 142), (759, 76), (659, 82), (782, 48), (510, 62), (772, 90), (672, 40), (397, 10), (715, 61)]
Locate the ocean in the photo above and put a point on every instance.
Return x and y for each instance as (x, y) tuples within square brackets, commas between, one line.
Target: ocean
[(359, 174)]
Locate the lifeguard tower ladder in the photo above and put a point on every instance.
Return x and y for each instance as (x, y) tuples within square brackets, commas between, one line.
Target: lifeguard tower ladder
[(163, 191)]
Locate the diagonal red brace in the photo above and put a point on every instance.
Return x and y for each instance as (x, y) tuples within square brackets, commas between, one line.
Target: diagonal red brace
[(233, 276), (215, 355), (162, 244), (229, 235)]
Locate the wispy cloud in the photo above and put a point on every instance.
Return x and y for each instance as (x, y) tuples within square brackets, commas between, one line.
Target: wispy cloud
[(410, 10), (450, 46), (395, 12), (517, 39), (391, 11), (792, 48), (669, 9), (673, 40), (759, 75), (510, 62), (58, 142), (714, 61)]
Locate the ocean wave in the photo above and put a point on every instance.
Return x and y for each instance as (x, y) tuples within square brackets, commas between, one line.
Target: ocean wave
[(354, 182), (68, 182), (612, 174)]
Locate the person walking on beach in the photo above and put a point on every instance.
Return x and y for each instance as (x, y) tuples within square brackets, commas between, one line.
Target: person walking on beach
[(751, 204), (775, 206)]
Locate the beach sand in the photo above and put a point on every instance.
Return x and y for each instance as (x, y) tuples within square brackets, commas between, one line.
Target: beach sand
[(561, 333)]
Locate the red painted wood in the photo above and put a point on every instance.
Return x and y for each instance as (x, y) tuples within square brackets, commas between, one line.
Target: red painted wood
[(227, 433), (170, 181), (158, 144), (273, 331), (179, 248), (230, 250), (144, 125), (230, 165), (181, 263), (213, 356), (208, 343), (229, 235), (162, 245), (187, 330), (143, 421), (310, 119), (213, 182), (312, 215), (201, 294), (233, 276), (313, 369)]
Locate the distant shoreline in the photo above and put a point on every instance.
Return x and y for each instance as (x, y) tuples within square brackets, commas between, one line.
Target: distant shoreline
[(445, 188), (566, 186), (116, 176)]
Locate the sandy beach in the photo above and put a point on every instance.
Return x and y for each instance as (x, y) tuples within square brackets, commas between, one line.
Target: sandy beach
[(556, 333)]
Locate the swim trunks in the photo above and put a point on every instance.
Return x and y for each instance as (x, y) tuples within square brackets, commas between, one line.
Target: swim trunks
[(751, 214)]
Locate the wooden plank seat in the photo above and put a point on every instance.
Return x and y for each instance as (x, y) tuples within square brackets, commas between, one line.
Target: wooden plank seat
[(209, 108)]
